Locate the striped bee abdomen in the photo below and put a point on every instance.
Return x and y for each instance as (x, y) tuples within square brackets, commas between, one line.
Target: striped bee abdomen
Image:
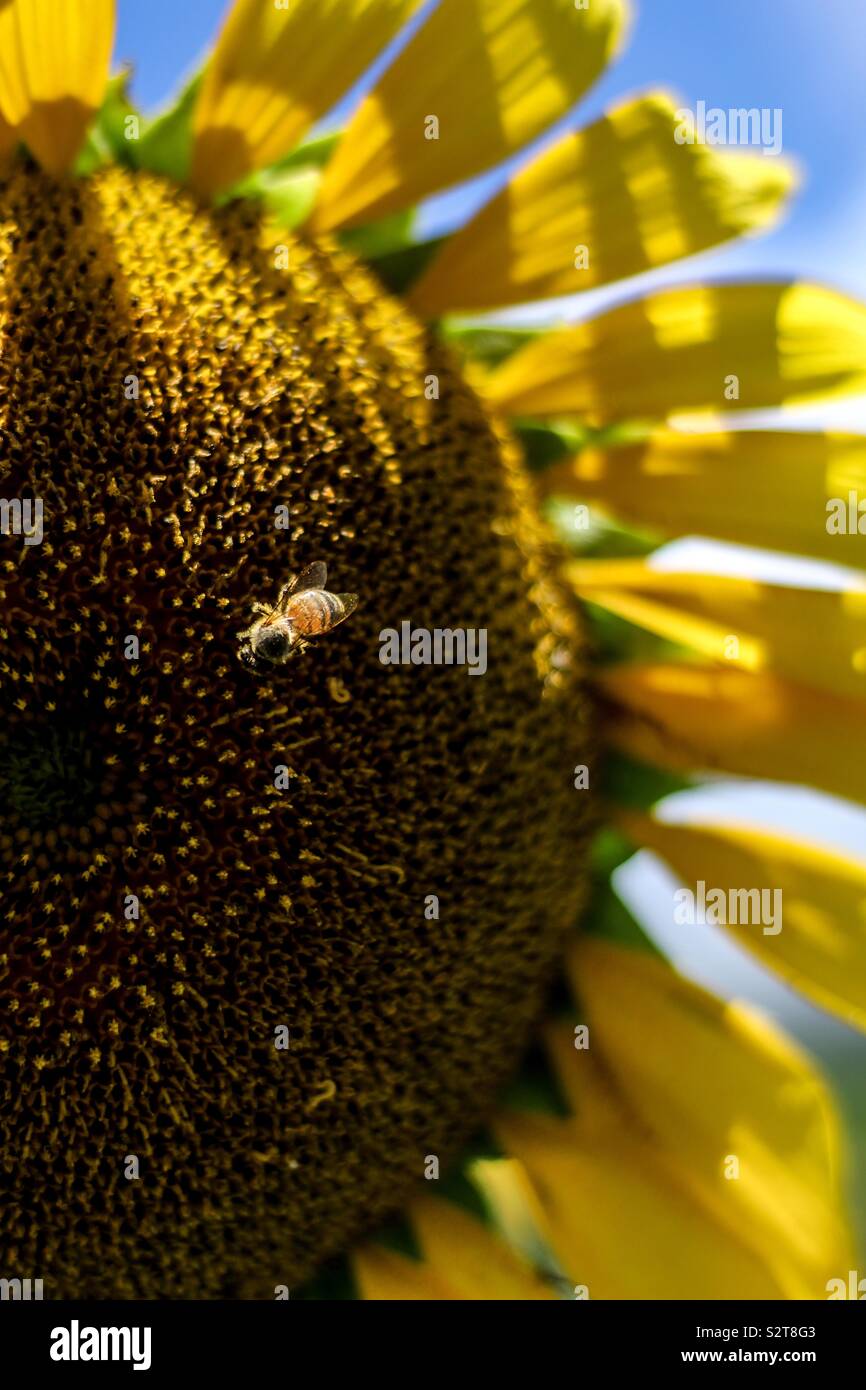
[(314, 612)]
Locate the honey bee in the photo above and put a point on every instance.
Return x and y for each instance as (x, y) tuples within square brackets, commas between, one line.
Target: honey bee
[(304, 609)]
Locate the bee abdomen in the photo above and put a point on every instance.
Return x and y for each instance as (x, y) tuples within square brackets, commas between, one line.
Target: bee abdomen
[(314, 612)]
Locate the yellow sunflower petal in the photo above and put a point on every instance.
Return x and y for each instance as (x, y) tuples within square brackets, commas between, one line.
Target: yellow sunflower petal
[(818, 937), (714, 1079), (814, 636), (691, 349), (603, 203), (621, 1221), (274, 72), (509, 1196), (382, 1275), (54, 61), (696, 718), (462, 1259), (732, 1108), (472, 1256), (492, 74), (759, 488)]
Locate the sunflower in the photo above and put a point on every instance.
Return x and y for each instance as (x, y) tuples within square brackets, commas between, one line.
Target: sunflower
[(317, 985)]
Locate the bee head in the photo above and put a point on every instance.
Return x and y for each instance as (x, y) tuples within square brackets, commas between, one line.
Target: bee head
[(272, 645)]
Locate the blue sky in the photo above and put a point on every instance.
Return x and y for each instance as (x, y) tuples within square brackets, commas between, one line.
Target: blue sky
[(802, 57)]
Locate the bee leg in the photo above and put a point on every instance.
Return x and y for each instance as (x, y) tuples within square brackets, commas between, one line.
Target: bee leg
[(283, 596), (256, 608), (247, 657)]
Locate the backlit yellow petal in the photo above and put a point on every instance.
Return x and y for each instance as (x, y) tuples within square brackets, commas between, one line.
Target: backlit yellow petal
[(735, 1109), (492, 74), (817, 637), (603, 203), (509, 1196), (818, 936), (471, 1256), (692, 349), (791, 491), (274, 72), (622, 1221), (382, 1275), (707, 719), (461, 1259), (54, 61)]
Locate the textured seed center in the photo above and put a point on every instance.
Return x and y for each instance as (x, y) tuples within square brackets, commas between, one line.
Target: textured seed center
[(48, 774), (280, 939)]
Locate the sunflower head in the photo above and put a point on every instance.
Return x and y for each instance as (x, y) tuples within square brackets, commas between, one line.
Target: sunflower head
[(203, 860), (276, 933)]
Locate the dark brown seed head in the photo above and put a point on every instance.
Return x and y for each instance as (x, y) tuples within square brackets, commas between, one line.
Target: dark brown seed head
[(192, 859)]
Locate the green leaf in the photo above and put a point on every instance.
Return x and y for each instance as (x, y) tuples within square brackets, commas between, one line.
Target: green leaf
[(335, 1282), (288, 195), (166, 144), (106, 141), (482, 1145), (398, 270), (459, 1188), (616, 640), (313, 154), (389, 246), (637, 785), (398, 1235), (288, 188), (610, 849), (545, 444), (535, 1087), (608, 917), (490, 345), (381, 238), (586, 532)]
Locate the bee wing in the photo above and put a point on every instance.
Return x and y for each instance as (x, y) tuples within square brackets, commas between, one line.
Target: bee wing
[(313, 577), (350, 603)]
